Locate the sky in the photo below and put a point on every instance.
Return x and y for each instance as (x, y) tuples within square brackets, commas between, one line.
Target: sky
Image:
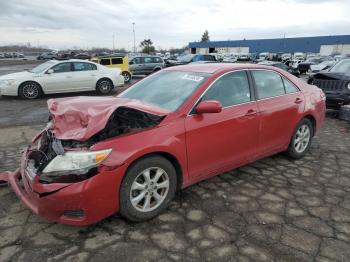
[(63, 24)]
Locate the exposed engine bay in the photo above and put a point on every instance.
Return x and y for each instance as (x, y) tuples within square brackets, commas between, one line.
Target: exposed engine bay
[(124, 120)]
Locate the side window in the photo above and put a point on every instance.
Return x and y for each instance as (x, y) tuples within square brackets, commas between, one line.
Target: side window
[(290, 88), (209, 58), (148, 60), (84, 67), (197, 58), (117, 61), (137, 60), (230, 89), (157, 60), (268, 84), (105, 61), (62, 68)]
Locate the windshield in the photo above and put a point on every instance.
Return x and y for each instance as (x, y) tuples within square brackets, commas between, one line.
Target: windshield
[(166, 89), (341, 67), (40, 68), (186, 58)]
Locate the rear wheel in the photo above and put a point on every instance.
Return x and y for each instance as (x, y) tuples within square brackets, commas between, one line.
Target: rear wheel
[(127, 76), (147, 188), (30, 90), (301, 140), (104, 86)]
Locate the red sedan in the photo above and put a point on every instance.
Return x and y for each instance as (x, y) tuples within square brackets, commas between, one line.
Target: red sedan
[(129, 154)]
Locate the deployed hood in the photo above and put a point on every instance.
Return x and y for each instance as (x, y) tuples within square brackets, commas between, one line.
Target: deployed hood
[(79, 118), (16, 75)]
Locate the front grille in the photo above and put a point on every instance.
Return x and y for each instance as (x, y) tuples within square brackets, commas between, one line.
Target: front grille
[(330, 85)]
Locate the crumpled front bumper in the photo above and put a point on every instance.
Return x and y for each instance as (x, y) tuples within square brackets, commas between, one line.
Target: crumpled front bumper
[(81, 203)]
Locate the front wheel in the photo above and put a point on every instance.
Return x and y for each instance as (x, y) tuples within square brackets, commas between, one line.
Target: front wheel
[(147, 188), (127, 76), (104, 86), (301, 139), (30, 90)]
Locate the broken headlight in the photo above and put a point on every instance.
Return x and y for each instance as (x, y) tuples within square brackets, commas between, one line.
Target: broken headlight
[(76, 162)]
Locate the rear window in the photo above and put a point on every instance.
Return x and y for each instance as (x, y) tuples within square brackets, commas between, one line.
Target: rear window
[(117, 61), (157, 60), (148, 60), (268, 84), (105, 61)]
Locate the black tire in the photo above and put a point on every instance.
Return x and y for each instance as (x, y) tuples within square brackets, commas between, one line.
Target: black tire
[(292, 150), (127, 76), (30, 90), (127, 209), (104, 86)]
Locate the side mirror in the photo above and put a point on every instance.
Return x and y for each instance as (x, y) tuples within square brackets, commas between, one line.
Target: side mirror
[(50, 71), (209, 106)]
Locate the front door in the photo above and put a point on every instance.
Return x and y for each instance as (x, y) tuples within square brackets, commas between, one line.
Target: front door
[(219, 141), (60, 80)]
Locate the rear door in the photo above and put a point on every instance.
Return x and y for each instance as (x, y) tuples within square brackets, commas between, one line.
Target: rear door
[(136, 66), (280, 105), (219, 141), (84, 75)]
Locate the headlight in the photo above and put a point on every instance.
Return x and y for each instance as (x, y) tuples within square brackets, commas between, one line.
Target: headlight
[(76, 162), (349, 85), (7, 82)]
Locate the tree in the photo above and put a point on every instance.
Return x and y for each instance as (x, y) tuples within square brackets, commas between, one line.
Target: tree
[(147, 46), (205, 36)]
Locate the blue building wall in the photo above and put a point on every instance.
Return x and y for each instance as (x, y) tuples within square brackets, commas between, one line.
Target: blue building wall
[(299, 44)]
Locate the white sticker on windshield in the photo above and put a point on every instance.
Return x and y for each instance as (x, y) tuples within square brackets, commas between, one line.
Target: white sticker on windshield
[(193, 77)]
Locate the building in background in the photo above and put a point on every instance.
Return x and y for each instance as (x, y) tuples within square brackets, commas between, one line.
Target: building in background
[(326, 45)]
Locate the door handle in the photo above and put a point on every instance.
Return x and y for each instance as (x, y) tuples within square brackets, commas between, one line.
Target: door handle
[(298, 100), (251, 112)]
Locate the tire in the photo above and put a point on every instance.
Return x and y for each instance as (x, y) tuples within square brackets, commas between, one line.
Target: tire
[(127, 76), (139, 210), (104, 86), (301, 139), (30, 90)]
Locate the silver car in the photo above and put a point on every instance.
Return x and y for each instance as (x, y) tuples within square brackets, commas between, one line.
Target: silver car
[(144, 65)]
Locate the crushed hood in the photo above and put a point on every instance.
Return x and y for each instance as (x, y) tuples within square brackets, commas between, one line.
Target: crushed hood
[(79, 118)]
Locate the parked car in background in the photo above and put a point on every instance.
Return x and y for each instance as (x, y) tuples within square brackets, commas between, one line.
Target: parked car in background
[(218, 56), (282, 66), (339, 57), (243, 57), (286, 56), (61, 77), (305, 66), (322, 66), (299, 56), (2, 55), (230, 58), (131, 153), (186, 59), (264, 56), (46, 56), (144, 65), (335, 83), (120, 61)]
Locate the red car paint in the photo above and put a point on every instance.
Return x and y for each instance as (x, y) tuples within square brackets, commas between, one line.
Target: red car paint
[(203, 145)]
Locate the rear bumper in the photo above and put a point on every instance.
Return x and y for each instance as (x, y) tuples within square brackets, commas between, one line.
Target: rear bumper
[(82, 203)]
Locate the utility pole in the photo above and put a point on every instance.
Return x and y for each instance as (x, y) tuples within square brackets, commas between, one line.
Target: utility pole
[(113, 42), (133, 30)]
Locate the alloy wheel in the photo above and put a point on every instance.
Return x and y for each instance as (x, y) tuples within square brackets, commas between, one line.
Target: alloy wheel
[(30, 91), (149, 189), (302, 138), (104, 87)]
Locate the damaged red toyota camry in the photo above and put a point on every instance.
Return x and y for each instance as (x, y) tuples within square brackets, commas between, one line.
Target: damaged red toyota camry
[(129, 154)]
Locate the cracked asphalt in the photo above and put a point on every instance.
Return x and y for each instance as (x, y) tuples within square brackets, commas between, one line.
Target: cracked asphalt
[(275, 209)]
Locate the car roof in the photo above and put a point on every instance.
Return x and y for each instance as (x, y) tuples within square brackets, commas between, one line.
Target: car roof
[(211, 68)]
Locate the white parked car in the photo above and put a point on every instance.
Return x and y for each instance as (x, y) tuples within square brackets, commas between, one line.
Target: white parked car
[(322, 66), (299, 56), (54, 76)]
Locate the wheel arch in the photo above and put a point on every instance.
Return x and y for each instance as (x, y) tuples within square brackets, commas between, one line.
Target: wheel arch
[(313, 122), (29, 81), (170, 157)]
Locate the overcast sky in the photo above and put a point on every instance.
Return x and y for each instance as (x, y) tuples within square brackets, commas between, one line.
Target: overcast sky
[(91, 23)]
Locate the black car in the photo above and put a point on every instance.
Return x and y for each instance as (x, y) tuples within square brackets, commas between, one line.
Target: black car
[(184, 60), (335, 83)]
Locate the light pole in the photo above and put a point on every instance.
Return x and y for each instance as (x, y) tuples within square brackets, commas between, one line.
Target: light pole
[(113, 41), (133, 30)]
